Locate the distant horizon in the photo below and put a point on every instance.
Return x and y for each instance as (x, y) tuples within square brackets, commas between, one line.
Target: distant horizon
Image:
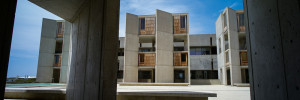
[(28, 23)]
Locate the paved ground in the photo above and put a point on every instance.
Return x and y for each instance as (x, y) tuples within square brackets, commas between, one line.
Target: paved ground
[(223, 92)]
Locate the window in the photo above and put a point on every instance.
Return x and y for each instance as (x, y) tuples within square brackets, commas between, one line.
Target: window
[(204, 74), (58, 47), (142, 23), (182, 21), (200, 51), (120, 74), (213, 50), (144, 50), (219, 45), (225, 20), (56, 59), (183, 57), (142, 56), (241, 20), (178, 48)]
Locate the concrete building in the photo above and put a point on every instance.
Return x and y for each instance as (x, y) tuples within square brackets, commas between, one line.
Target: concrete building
[(150, 51), (232, 48), (55, 52), (203, 55)]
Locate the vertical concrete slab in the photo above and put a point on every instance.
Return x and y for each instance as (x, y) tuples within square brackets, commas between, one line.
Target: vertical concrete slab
[(233, 39), (220, 45), (289, 14), (47, 50), (8, 9), (131, 48), (93, 72), (164, 70), (271, 26), (66, 54)]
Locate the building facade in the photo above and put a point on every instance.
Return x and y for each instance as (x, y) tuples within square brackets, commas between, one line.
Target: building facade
[(150, 53), (55, 52), (203, 55), (231, 47)]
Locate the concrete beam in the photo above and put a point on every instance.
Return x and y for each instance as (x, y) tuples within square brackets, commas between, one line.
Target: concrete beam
[(66, 9), (8, 10)]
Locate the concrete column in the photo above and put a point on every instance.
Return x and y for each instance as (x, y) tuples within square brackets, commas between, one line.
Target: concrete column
[(131, 48), (164, 69), (273, 48), (66, 54), (93, 72), (47, 51), (233, 39), (8, 9)]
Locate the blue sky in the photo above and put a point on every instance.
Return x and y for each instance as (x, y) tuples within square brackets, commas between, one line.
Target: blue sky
[(28, 23)]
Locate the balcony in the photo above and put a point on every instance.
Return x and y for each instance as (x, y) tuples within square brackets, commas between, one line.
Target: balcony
[(181, 58), (243, 58), (146, 59), (57, 60)]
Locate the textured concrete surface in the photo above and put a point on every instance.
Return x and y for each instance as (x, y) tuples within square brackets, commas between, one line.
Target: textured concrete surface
[(131, 48), (66, 53), (47, 50), (273, 46), (223, 92), (164, 70)]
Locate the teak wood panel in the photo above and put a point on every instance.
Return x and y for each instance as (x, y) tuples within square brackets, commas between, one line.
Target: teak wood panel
[(149, 59), (60, 36), (177, 28), (243, 56), (60, 27), (149, 26), (178, 61)]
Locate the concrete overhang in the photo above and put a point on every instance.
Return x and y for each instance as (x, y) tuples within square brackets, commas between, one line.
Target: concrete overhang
[(66, 9)]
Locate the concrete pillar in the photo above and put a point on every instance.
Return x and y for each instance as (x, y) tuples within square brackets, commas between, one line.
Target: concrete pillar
[(164, 69), (233, 39), (273, 48), (66, 54), (47, 51), (93, 72), (131, 48), (8, 9)]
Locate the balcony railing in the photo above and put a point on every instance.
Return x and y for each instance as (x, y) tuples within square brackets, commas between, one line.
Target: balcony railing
[(146, 59), (243, 58), (57, 60), (180, 58), (60, 36)]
